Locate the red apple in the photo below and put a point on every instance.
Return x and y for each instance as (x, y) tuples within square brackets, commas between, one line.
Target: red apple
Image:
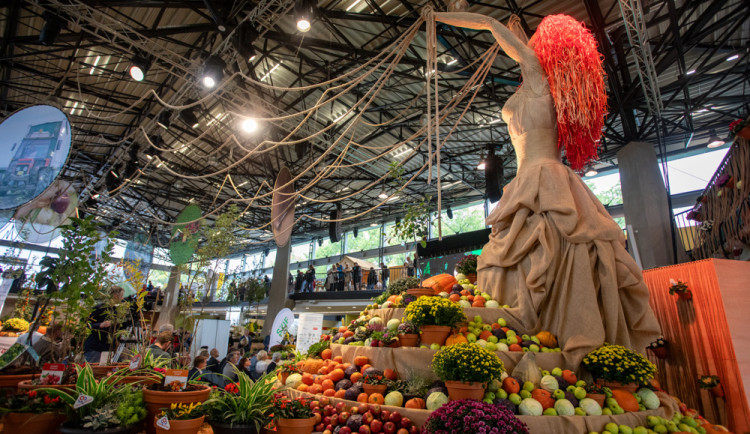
[(388, 428), (329, 427), (345, 430), (327, 432), (402, 431), (364, 429), (324, 401), (385, 415), (354, 410), (314, 404), (375, 409), (334, 420), (340, 406), (327, 420), (320, 427), (395, 418), (376, 426), (328, 410), (364, 408), (318, 418), (367, 418), (405, 422), (343, 417), (413, 430)]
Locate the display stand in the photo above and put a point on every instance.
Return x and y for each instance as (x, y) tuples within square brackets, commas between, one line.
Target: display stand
[(707, 335)]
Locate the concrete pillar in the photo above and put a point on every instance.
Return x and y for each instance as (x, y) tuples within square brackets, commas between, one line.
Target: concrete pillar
[(645, 204), (277, 297), (170, 306)]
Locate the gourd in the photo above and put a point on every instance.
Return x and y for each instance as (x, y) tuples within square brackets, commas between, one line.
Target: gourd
[(591, 407), (312, 366), (376, 320), (648, 398), (528, 370), (625, 399), (415, 403), (547, 339), (563, 407), (510, 385), (530, 407), (455, 339), (440, 283), (361, 360), (544, 398), (436, 400)]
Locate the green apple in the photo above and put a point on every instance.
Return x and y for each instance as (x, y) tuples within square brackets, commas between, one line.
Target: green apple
[(464, 297), (525, 337), (515, 398), (612, 427), (491, 346), (557, 372), (559, 394), (478, 318), (570, 388), (435, 346), (424, 346), (640, 430), (606, 411), (487, 327), (550, 412), (624, 429), (503, 341), (534, 348), (525, 349), (545, 372), (510, 333), (502, 322), (506, 306), (512, 340), (492, 339), (501, 394), (545, 350), (580, 383), (535, 340), (579, 411), (489, 395), (579, 392), (471, 337), (528, 385), (525, 394), (660, 429), (487, 400)]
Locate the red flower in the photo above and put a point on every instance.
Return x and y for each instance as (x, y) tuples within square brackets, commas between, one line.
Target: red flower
[(232, 388), (32, 394)]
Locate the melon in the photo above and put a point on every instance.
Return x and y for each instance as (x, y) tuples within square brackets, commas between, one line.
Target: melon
[(395, 399)]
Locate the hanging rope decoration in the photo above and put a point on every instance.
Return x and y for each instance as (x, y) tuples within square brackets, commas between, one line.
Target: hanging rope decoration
[(336, 88)]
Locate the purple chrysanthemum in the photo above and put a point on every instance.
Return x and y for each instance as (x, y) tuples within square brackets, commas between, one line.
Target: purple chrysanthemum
[(469, 416)]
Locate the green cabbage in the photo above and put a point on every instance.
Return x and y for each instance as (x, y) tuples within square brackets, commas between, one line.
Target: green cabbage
[(563, 407), (591, 407), (436, 400), (530, 407), (648, 398)]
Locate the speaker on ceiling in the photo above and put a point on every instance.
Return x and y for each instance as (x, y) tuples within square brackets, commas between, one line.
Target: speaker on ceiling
[(334, 226), (493, 177)]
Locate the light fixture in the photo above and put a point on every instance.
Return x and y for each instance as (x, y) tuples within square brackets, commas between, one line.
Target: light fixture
[(482, 165), (213, 71), (383, 194), (164, 119), (714, 141), (138, 68), (249, 125), (320, 242), (691, 72), (449, 212), (733, 57), (591, 171), (188, 116), (372, 225), (304, 13), (50, 29)]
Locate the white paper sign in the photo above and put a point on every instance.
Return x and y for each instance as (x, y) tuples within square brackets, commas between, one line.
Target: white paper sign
[(163, 423), (4, 289), (103, 357), (309, 330), (83, 400), (135, 362), (52, 373), (282, 322), (173, 375)]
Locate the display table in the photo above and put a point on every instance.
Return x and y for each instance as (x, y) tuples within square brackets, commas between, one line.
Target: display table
[(489, 315)]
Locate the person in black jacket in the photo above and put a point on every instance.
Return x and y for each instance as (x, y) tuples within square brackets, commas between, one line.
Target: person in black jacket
[(357, 276), (372, 279), (102, 327), (213, 362), (199, 368), (310, 279), (384, 275)]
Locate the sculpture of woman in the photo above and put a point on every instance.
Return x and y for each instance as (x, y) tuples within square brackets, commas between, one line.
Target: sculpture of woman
[(555, 255)]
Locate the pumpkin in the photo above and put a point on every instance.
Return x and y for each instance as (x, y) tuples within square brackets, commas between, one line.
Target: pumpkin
[(625, 399), (547, 339), (455, 339), (440, 283), (326, 354), (415, 403), (42, 330), (361, 360), (510, 385), (375, 398), (545, 398), (312, 366)]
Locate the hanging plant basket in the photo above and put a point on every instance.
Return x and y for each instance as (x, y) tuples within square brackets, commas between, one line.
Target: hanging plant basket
[(717, 391), (660, 352), (687, 295)]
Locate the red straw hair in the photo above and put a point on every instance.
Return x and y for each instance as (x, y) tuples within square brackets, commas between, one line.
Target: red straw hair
[(568, 53)]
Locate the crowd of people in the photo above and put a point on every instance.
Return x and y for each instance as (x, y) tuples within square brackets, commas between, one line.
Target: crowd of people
[(346, 277)]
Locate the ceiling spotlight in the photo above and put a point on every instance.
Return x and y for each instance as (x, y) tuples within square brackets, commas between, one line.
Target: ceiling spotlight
[(249, 125), (164, 120), (449, 212), (50, 29), (138, 68), (213, 71), (188, 116), (591, 171), (303, 11), (372, 225), (383, 194), (481, 165), (714, 141), (733, 57)]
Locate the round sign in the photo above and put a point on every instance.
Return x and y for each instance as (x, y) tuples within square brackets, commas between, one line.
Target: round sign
[(39, 221), (184, 236), (34, 147)]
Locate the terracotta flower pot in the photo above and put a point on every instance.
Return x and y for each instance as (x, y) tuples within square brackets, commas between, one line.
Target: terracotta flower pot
[(115, 430), (462, 390), (140, 379), (102, 370), (419, 292), (472, 277), (744, 133), (39, 423), (11, 381), (434, 334), (26, 385), (630, 387), (373, 388), (598, 397), (156, 400), (408, 340), (189, 426), (394, 344), (687, 295), (717, 391), (283, 376), (225, 428), (660, 352), (295, 426)]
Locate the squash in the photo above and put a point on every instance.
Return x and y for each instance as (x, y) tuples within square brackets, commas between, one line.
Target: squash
[(547, 339), (543, 397), (455, 339), (312, 366), (361, 360), (510, 385), (440, 283), (626, 400), (417, 403)]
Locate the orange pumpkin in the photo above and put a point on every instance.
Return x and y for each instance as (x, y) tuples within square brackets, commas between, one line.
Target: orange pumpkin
[(326, 354), (361, 360), (338, 359), (569, 376), (440, 283), (625, 399), (362, 397), (41, 329), (348, 334), (356, 377), (340, 394), (329, 392), (390, 374), (375, 398), (510, 385), (547, 339), (307, 379), (337, 374), (312, 366), (544, 398), (455, 339), (415, 403)]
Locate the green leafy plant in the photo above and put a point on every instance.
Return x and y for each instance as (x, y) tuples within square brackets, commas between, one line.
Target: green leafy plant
[(374, 380), (617, 363), (251, 404), (437, 311), (415, 224), (317, 348), (467, 362)]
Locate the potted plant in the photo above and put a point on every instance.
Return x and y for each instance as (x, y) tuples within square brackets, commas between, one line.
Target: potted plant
[(14, 327), (598, 393), (182, 418), (159, 395), (389, 339), (468, 267), (712, 384), (374, 383), (292, 416), (659, 348), (110, 408), (67, 382), (151, 369), (32, 412), (461, 417), (286, 369), (681, 289), (244, 408), (408, 334), (466, 369), (618, 367), (435, 317)]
